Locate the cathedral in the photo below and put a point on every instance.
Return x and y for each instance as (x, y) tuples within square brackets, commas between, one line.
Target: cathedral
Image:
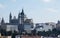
[(21, 24)]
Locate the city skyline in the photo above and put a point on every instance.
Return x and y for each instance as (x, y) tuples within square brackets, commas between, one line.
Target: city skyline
[(38, 10)]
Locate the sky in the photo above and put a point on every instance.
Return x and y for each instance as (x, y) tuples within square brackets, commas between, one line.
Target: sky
[(38, 10)]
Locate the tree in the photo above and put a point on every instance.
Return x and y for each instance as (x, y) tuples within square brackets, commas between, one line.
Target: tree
[(3, 32), (49, 32), (55, 32), (34, 32)]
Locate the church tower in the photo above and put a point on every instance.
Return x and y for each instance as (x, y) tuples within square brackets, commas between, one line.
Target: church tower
[(21, 17), (2, 21), (21, 21), (10, 17)]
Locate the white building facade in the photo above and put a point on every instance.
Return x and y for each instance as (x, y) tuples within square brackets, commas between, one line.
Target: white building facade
[(28, 28), (12, 28), (45, 26)]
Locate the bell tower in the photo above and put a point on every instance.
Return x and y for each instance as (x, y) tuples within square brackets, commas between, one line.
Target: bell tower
[(19, 18), (2, 21), (21, 21), (10, 17), (22, 16)]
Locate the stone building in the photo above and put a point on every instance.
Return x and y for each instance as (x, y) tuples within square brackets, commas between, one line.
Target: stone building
[(18, 24)]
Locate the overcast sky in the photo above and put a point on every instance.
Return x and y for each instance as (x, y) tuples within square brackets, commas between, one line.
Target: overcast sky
[(38, 10)]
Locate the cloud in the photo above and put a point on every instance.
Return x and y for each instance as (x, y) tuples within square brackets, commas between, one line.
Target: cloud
[(13, 0), (2, 6), (47, 1), (52, 10)]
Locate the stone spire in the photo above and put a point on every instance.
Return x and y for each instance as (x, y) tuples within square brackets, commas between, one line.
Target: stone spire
[(2, 21)]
